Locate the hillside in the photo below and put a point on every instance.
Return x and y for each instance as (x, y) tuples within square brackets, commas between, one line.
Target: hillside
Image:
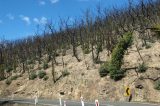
[(88, 83), (97, 57)]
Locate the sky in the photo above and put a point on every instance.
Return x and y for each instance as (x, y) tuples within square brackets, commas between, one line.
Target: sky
[(19, 18)]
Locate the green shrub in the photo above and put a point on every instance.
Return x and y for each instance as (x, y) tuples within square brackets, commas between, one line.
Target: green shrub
[(9, 69), (103, 70), (156, 29), (116, 61), (31, 61), (32, 76), (41, 74), (99, 47), (157, 85), (148, 46), (86, 50), (2, 78), (116, 74), (45, 66), (65, 72), (8, 81), (14, 77), (142, 68), (45, 78)]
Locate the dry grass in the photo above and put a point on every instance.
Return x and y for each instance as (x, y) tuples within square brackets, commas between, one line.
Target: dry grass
[(87, 83)]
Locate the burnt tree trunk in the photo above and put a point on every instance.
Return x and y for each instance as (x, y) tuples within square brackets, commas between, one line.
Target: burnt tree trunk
[(73, 42), (53, 72)]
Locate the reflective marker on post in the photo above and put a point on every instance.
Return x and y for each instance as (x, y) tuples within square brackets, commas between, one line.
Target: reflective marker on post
[(60, 101), (64, 103), (82, 101), (96, 102)]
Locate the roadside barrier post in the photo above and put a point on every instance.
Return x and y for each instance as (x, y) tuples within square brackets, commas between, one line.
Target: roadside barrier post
[(82, 102), (60, 102), (64, 103), (96, 102), (36, 100)]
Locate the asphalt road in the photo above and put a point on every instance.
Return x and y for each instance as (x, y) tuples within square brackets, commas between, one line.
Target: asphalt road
[(75, 103)]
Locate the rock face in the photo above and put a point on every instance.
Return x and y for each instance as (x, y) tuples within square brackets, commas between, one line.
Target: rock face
[(88, 83), (139, 85)]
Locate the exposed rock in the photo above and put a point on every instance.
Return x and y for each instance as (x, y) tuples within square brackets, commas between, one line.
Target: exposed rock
[(139, 85), (62, 93)]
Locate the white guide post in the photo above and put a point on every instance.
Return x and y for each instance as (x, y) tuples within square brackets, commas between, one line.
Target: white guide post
[(82, 102), (64, 103), (36, 100), (60, 101), (96, 102)]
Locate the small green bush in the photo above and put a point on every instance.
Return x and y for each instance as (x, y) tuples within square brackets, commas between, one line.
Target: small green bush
[(156, 29), (86, 50), (32, 76), (45, 78), (45, 66), (14, 77), (117, 74), (99, 47), (148, 46), (8, 81), (65, 72), (1, 79), (30, 61), (9, 69), (157, 85), (142, 68), (41, 74), (103, 70)]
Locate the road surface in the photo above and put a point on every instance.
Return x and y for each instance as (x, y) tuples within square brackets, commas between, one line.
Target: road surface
[(74, 103)]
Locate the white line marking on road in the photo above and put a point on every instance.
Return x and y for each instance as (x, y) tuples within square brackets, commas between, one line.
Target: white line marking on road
[(142, 103), (93, 103), (38, 103), (47, 104)]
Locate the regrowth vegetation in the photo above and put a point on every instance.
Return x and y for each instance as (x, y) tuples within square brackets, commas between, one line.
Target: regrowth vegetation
[(95, 32), (114, 66)]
